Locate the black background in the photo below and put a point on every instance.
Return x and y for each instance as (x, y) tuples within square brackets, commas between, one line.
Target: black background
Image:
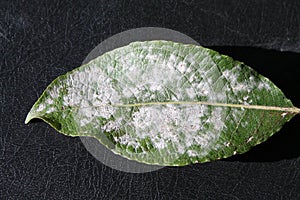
[(40, 40)]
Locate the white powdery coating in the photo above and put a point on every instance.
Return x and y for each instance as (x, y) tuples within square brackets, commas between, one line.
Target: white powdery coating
[(49, 101), (182, 67), (163, 124), (127, 140), (209, 77), (47, 106), (237, 86), (181, 126), (55, 91), (50, 110), (203, 89), (169, 75), (264, 85), (243, 87), (192, 153), (113, 125), (155, 77), (41, 107), (90, 91), (191, 93), (217, 119), (208, 137)]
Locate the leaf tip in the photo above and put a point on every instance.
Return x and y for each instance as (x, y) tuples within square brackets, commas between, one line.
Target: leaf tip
[(29, 117)]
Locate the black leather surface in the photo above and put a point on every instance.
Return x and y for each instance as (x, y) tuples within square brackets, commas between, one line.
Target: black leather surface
[(40, 40)]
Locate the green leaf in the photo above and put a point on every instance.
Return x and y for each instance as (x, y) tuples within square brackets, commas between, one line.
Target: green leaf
[(166, 103)]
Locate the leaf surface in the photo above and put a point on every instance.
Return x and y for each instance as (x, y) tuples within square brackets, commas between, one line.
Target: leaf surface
[(166, 103)]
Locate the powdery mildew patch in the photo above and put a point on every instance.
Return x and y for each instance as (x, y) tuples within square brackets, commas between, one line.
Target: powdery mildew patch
[(90, 93), (240, 85), (49, 105), (181, 126)]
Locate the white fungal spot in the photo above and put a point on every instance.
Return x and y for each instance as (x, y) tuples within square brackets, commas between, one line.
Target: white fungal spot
[(113, 125), (54, 92), (245, 98), (283, 114), (263, 85), (181, 67), (127, 140), (49, 101), (192, 153), (40, 108), (50, 110), (204, 92), (172, 58), (250, 139)]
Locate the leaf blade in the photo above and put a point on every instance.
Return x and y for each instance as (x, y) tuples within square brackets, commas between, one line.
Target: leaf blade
[(148, 80)]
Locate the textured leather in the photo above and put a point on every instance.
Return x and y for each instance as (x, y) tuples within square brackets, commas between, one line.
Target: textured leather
[(40, 40)]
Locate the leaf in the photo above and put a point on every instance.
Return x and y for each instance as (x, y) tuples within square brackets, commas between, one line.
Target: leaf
[(166, 103)]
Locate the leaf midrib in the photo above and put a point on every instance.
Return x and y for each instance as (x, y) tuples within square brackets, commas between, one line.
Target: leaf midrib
[(242, 106)]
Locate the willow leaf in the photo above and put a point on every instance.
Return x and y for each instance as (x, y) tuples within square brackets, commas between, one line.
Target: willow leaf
[(166, 103)]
